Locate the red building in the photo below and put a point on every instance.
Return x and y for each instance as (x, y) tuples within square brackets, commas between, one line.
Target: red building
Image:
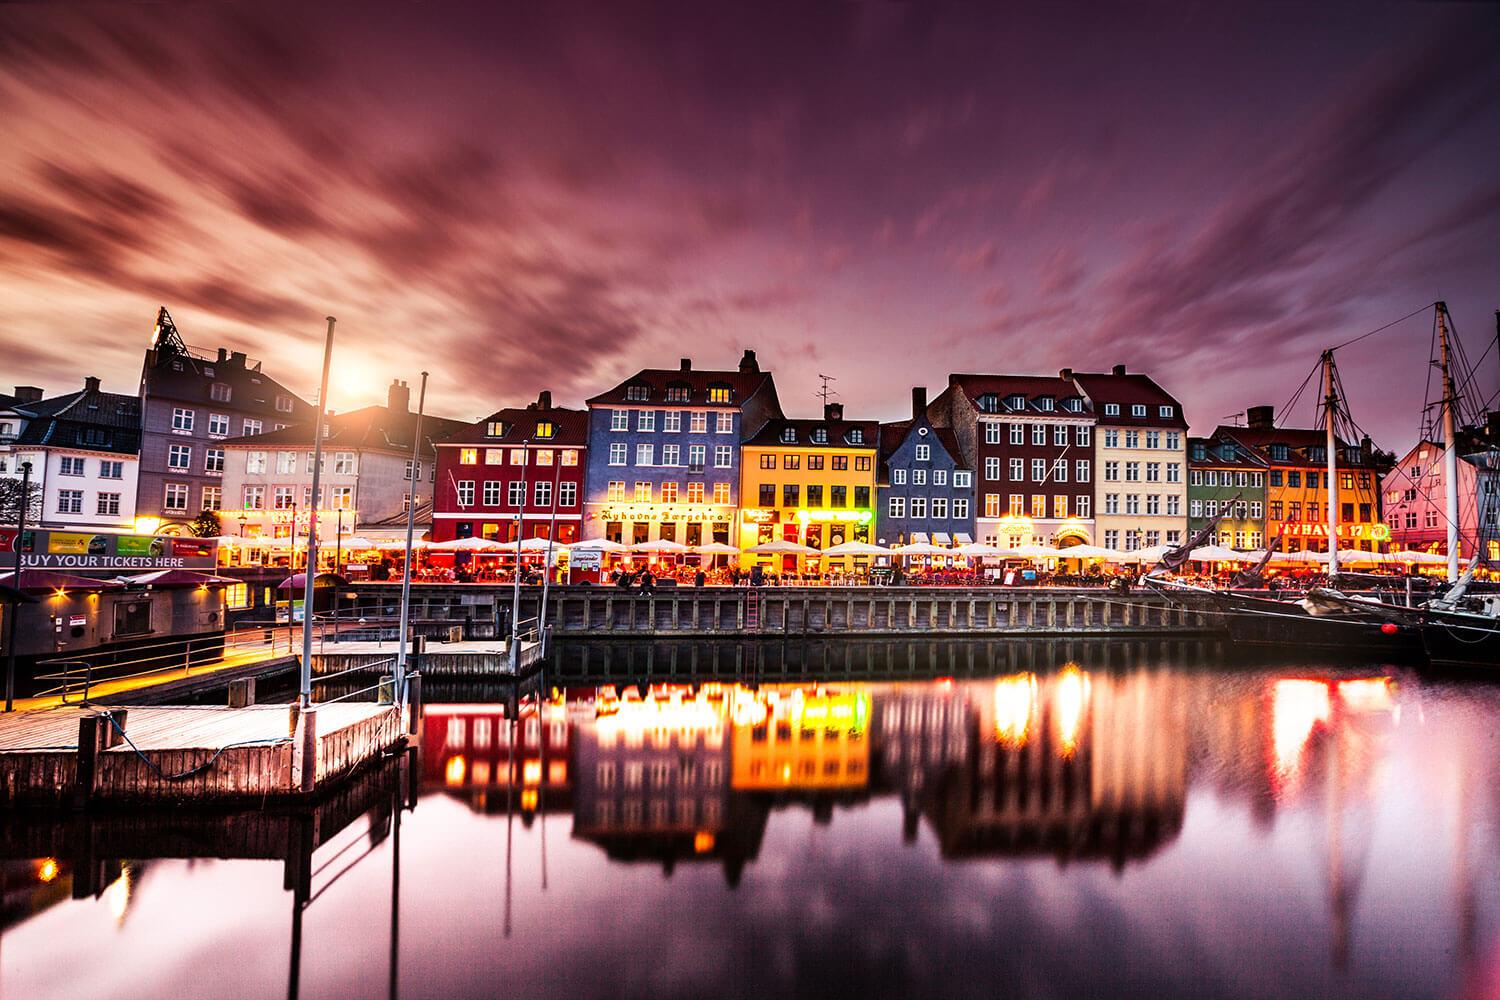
[(514, 466)]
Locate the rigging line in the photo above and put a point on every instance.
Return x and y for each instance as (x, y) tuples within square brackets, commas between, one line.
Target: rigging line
[(1379, 329), (1287, 407)]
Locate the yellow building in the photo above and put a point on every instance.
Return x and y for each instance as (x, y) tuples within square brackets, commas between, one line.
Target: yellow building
[(807, 481)]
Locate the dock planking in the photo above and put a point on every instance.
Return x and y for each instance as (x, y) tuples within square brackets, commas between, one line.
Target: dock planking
[(242, 752)]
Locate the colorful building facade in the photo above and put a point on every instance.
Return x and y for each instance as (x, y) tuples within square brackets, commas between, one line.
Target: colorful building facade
[(1030, 442), (664, 452), (1416, 498), (1297, 487), (1142, 458), (808, 481), (1227, 481), (517, 469), (924, 487)]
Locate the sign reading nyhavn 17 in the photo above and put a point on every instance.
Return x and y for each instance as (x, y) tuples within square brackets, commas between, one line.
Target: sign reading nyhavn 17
[(82, 550)]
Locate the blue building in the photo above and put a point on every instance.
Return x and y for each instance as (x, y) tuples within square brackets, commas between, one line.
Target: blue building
[(664, 452), (925, 489)]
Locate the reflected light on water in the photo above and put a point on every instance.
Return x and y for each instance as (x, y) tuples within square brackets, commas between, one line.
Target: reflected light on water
[(1297, 706), (1069, 702), (117, 896), (1015, 703), (47, 870), (454, 772)]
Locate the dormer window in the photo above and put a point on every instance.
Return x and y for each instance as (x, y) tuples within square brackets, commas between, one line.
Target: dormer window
[(495, 429), (544, 429), (1317, 454), (1200, 453), (638, 393), (678, 394), (1280, 452), (1111, 409), (1015, 402), (820, 435), (1165, 412), (1138, 410), (857, 436), (1045, 403), (789, 435), (720, 394), (220, 392), (284, 404), (989, 403), (1074, 405)]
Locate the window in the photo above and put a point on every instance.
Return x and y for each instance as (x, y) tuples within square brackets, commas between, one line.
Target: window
[(768, 494), (1059, 506), (1174, 504), (175, 497), (992, 505), (815, 461), (254, 497), (671, 454), (918, 507), (1060, 470), (515, 493), (1294, 478), (896, 507), (1195, 508), (1111, 409), (71, 466), (814, 495), (791, 461), (1132, 439), (286, 463), (919, 477), (1153, 472), (616, 491), (840, 497), (697, 455), (718, 394), (940, 507), (723, 456), (1039, 470), (619, 420), (182, 419), (213, 498), (695, 493), (1132, 503), (645, 420), (791, 495), (567, 494), (1017, 433), (1153, 503), (110, 469), (343, 464), (180, 456), (251, 427), (1174, 440), (490, 492), (721, 493), (284, 404), (789, 435), (961, 508), (1081, 435), (1132, 472), (255, 462), (617, 453), (1018, 470), (963, 478), (1038, 505), (541, 494), (1081, 470), (1111, 439), (1138, 410), (698, 422), (219, 392), (991, 433), (570, 456), (1255, 509), (767, 460), (70, 501), (132, 617), (213, 460), (1082, 505), (940, 477), (841, 463), (725, 424), (1060, 435), (1164, 412), (1111, 503), (924, 453), (1045, 403), (645, 454), (1038, 433), (1153, 439), (671, 420), (1112, 539), (1346, 480), (898, 476), (283, 497), (1174, 473), (1111, 472)]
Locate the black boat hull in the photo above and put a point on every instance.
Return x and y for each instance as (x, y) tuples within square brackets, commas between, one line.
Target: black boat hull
[(1461, 640), (1264, 621)]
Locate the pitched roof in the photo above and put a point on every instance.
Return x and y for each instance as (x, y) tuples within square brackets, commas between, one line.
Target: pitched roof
[(744, 382), (90, 419), (371, 428), (172, 371), (1131, 389), (1032, 387), (1244, 456), (1299, 440), (837, 433), (569, 427)]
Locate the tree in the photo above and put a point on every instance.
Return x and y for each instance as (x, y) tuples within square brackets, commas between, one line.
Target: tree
[(11, 500), (206, 525)]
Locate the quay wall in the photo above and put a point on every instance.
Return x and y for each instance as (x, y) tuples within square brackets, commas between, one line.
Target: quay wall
[(600, 612)]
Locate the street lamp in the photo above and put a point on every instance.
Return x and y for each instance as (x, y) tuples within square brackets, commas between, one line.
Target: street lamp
[(15, 608)]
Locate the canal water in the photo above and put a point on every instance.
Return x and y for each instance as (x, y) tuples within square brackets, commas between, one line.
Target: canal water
[(968, 820)]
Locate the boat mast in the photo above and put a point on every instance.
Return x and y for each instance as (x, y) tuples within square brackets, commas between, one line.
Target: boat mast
[(1330, 409), (1450, 443)]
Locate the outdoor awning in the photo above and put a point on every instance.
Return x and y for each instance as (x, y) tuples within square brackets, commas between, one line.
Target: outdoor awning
[(918, 536), (299, 581), (941, 538), (962, 538), (176, 578), (40, 580)]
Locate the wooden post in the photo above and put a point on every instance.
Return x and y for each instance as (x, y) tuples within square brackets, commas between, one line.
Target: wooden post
[(305, 750), (414, 704), (89, 744), (242, 693)]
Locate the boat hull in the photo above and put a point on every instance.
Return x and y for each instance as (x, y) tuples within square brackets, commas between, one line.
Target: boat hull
[(1264, 621), (1454, 639)]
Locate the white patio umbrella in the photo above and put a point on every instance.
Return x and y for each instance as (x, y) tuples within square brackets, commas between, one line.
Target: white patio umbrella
[(465, 545), (397, 546), (533, 545), (351, 542), (662, 546), (1302, 558), (1420, 558), (1038, 552), (716, 549), (781, 546), (1216, 553), (921, 549), (974, 550), (1087, 552), (598, 545), (856, 549)]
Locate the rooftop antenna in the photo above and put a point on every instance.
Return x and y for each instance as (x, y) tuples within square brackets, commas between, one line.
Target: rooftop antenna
[(826, 391), (1235, 419)]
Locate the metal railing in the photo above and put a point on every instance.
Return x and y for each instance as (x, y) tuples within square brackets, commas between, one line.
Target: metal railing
[(70, 681), (385, 680)]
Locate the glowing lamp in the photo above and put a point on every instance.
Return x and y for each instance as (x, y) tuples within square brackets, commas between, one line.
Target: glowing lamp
[(147, 525), (1389, 628), (47, 870)]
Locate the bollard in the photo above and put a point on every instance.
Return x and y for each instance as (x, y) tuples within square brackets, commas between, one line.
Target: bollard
[(304, 749), (111, 736), (414, 704), (242, 693), (90, 742)]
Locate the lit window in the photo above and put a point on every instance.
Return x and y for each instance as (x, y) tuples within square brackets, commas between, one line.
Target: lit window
[(466, 456)]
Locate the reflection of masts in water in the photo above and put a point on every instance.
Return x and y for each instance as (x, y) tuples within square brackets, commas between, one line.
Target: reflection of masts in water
[(1340, 894), (510, 784), (398, 794), (1468, 903)]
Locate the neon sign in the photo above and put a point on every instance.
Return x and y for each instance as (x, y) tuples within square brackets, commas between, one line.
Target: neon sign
[(663, 512), (845, 516), (1378, 532)]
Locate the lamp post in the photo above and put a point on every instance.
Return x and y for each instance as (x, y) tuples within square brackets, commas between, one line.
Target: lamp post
[(15, 608), (398, 675), (305, 692)]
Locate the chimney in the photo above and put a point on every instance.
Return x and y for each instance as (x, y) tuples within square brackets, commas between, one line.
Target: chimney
[(833, 411), (398, 396), (748, 362), (918, 401), (237, 358), (1119, 369), (1067, 373), (91, 384), (28, 393), (686, 365), (544, 400), (1261, 417), (223, 355)]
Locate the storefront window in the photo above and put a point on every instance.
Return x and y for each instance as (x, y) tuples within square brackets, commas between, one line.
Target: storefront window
[(640, 532), (614, 531)]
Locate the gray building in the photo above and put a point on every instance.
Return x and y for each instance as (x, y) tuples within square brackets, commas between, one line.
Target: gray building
[(925, 488), (190, 404)]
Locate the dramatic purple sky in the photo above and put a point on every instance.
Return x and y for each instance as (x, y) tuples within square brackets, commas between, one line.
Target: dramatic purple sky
[(881, 193)]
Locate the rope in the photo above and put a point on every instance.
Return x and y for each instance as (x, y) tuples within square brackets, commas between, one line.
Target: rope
[(190, 772)]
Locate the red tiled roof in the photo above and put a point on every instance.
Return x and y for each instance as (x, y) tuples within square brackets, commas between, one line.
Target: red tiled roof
[(838, 431), (569, 427), (744, 384)]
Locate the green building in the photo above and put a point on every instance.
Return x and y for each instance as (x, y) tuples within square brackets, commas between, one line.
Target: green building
[(1223, 474)]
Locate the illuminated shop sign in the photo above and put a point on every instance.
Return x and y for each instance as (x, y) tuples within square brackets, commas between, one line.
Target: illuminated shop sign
[(87, 550), (662, 512), (846, 516), (1378, 532)]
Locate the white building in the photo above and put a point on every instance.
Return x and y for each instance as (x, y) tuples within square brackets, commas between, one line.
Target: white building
[(83, 448)]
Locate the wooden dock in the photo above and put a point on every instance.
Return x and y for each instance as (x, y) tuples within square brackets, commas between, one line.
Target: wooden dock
[(78, 755), (477, 658)]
